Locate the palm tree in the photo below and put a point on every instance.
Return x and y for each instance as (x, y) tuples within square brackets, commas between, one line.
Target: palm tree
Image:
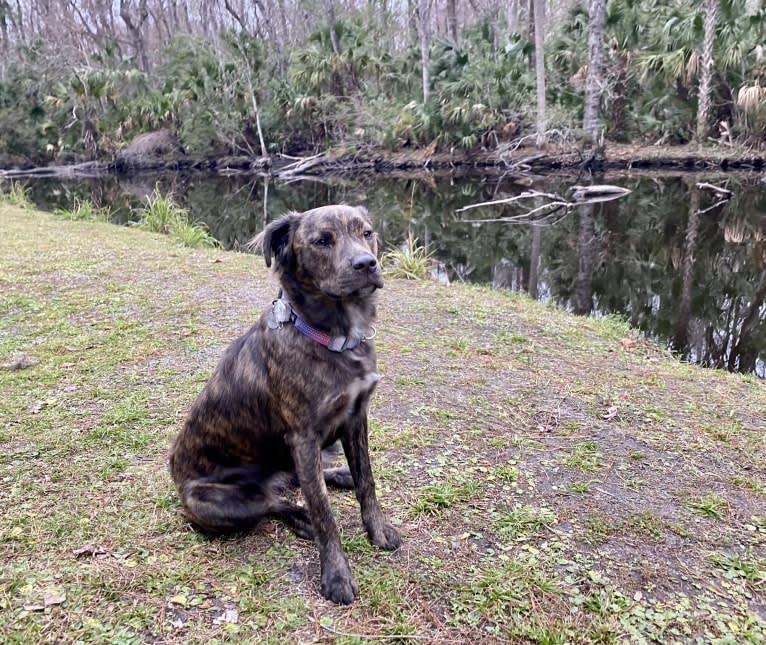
[(539, 13), (594, 82), (703, 110), (424, 26)]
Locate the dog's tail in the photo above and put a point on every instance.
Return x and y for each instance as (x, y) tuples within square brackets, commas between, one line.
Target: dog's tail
[(236, 499)]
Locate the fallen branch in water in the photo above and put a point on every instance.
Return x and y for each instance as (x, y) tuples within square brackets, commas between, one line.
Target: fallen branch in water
[(300, 166), (716, 189), (720, 202), (582, 195)]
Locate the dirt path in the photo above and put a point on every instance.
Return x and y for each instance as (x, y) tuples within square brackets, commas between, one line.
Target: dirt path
[(556, 479)]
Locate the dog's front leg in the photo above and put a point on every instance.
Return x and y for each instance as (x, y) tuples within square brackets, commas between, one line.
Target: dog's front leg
[(381, 532), (337, 583)]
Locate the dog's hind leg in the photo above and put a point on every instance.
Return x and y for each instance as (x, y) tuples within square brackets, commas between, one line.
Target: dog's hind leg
[(235, 499)]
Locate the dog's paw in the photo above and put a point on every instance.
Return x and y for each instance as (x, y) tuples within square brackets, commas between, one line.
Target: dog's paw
[(385, 536), (298, 520), (339, 586), (339, 477)]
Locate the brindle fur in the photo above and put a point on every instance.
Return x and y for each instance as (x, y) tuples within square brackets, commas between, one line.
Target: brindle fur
[(277, 399)]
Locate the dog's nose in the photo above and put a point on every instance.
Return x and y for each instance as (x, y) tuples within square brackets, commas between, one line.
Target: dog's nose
[(364, 262)]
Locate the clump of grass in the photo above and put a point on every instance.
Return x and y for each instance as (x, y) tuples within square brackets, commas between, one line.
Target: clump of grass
[(411, 262), (524, 520), (15, 194), (84, 210), (162, 215), (194, 235), (747, 566), (444, 495), (586, 456), (711, 506)]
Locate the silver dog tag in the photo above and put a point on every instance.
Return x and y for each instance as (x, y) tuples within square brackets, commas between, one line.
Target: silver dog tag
[(280, 313)]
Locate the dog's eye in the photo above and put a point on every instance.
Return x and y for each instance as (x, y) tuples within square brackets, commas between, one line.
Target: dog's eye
[(368, 233), (325, 240)]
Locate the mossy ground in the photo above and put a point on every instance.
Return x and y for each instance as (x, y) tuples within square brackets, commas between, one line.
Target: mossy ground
[(550, 485)]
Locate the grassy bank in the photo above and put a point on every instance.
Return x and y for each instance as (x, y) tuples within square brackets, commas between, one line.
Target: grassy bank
[(552, 482)]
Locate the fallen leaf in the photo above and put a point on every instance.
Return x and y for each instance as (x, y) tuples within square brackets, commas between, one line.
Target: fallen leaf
[(628, 344), (54, 598), (177, 622), (611, 413), (89, 549), (228, 616), (180, 600), (34, 607), (38, 407)]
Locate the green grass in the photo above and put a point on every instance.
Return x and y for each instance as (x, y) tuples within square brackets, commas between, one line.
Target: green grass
[(521, 521), (526, 515), (586, 457), (16, 194), (711, 506), (412, 262), (444, 494), (162, 215), (84, 209)]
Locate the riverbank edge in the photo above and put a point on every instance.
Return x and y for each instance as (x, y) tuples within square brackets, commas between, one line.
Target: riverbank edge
[(347, 160)]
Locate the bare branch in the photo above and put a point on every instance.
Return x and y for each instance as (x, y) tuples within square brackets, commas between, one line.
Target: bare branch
[(717, 189), (720, 202), (582, 195), (527, 194)]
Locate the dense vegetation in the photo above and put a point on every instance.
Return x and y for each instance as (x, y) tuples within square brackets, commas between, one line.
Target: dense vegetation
[(314, 75)]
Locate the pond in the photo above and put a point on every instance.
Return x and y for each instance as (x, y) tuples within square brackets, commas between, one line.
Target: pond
[(689, 276)]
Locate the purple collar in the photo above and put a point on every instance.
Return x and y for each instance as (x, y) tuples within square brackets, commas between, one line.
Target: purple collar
[(282, 312)]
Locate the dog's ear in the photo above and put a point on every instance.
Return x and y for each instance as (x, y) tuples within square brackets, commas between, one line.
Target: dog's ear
[(275, 239)]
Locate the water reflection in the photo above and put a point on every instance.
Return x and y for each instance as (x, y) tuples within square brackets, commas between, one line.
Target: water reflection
[(691, 276)]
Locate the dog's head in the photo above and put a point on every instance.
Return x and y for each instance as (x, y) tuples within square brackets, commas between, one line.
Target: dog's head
[(331, 251)]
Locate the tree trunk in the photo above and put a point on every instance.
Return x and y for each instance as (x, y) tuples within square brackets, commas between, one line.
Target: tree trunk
[(512, 16), (424, 26), (594, 82), (5, 12), (135, 26), (330, 8), (618, 102), (452, 19), (412, 23), (703, 110), (539, 17)]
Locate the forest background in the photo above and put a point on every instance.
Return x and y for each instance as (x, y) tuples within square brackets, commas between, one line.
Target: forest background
[(81, 78)]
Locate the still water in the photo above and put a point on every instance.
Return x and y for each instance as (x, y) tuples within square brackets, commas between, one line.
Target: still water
[(691, 277)]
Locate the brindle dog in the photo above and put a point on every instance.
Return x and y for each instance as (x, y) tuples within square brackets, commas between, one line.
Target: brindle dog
[(293, 385)]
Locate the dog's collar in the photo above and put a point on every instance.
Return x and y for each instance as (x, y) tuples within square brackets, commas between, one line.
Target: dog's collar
[(282, 312)]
